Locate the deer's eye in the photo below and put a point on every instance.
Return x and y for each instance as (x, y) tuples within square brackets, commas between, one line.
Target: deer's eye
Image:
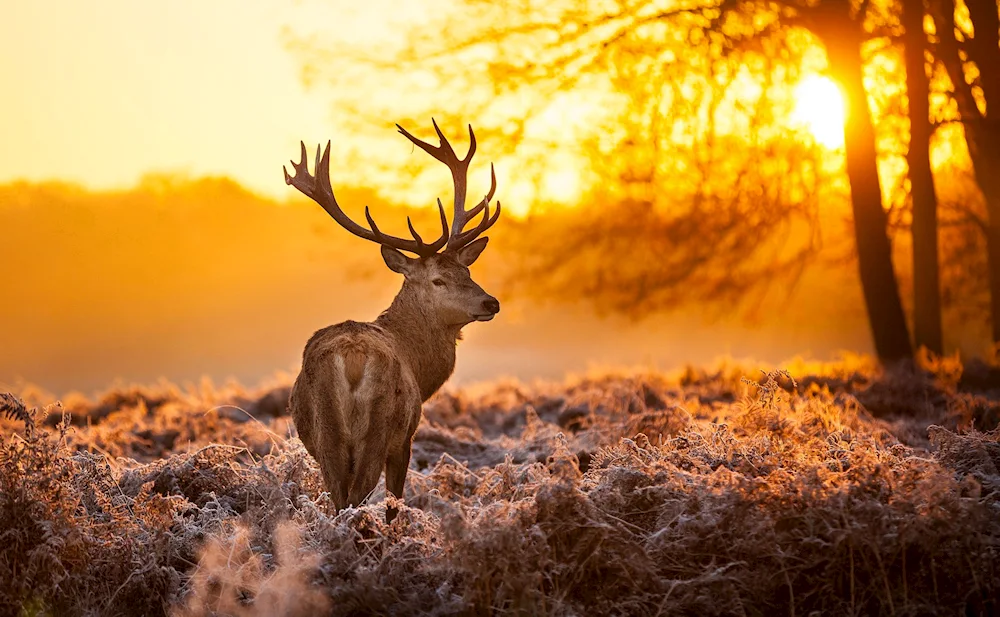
[(438, 282)]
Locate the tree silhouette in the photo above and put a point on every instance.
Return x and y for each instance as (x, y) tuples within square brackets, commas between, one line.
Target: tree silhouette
[(841, 30), (927, 330), (970, 52)]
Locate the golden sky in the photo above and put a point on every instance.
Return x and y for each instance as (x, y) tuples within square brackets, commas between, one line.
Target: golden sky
[(103, 91)]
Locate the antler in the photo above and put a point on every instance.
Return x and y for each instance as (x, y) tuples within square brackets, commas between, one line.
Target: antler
[(318, 189), (459, 174)]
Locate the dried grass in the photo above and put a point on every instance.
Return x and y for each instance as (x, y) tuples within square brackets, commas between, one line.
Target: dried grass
[(836, 489)]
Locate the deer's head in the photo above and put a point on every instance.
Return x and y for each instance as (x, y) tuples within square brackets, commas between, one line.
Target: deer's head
[(440, 280), (443, 283)]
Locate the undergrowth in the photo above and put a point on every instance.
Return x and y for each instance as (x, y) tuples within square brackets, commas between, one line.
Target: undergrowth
[(827, 489)]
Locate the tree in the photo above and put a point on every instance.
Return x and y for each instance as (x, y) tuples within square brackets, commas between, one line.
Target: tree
[(970, 53), (926, 277), (841, 31), (667, 56)]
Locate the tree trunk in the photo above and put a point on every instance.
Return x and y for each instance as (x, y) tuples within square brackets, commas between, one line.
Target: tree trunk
[(982, 131), (926, 277), (984, 50), (842, 39)]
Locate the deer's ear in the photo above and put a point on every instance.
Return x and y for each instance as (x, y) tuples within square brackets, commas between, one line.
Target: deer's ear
[(469, 254), (396, 261)]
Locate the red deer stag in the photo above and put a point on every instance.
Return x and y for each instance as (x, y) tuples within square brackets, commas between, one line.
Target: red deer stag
[(357, 401)]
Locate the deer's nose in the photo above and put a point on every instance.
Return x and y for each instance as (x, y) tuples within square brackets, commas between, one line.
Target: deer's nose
[(492, 305)]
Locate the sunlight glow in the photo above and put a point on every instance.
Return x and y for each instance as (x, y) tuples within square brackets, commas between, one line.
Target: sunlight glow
[(562, 185), (819, 109)]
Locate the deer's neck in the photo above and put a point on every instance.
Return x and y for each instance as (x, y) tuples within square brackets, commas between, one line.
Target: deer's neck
[(426, 344)]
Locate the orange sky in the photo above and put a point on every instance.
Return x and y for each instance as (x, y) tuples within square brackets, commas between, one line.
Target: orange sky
[(100, 92)]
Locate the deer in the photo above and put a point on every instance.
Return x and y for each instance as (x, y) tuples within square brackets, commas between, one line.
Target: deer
[(357, 400)]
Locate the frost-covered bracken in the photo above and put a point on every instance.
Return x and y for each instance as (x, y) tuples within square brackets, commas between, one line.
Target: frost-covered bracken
[(834, 488)]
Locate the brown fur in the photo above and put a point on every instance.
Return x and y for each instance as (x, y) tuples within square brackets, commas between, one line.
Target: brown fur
[(356, 402), (354, 366)]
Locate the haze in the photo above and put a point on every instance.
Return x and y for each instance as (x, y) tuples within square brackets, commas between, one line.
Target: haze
[(109, 90), (150, 234)]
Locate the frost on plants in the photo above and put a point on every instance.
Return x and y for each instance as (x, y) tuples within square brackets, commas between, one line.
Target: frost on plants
[(814, 488)]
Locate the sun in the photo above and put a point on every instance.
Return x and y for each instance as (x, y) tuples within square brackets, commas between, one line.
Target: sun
[(819, 109)]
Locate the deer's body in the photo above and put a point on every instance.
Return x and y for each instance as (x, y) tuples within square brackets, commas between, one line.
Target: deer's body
[(356, 402)]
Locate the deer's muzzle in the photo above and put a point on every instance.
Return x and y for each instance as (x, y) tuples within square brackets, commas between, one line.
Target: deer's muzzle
[(491, 306)]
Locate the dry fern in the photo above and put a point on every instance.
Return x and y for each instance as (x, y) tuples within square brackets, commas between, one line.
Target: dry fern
[(14, 408), (632, 494)]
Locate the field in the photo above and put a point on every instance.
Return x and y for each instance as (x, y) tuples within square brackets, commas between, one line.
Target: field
[(837, 489)]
